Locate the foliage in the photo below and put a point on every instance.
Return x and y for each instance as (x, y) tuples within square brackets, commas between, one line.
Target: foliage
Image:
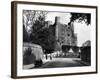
[(39, 33), (82, 17)]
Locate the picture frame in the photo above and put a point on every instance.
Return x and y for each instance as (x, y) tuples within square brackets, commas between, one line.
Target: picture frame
[(47, 40)]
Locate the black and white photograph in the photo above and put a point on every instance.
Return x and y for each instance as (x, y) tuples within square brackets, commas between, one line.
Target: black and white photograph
[(56, 39), (53, 39)]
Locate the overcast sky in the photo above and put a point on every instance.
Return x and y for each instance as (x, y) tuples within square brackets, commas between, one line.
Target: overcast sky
[(82, 30), (64, 17)]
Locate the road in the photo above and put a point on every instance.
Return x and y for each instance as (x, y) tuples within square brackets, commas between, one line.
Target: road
[(62, 62)]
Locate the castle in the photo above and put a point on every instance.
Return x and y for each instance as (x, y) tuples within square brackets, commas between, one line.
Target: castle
[(64, 34)]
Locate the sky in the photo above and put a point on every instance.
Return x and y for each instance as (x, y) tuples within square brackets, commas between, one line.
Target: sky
[(64, 17), (82, 30)]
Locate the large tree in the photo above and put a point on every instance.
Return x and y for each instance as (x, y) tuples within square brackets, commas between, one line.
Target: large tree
[(33, 22)]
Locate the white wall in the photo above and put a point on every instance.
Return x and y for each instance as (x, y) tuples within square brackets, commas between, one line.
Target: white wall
[(5, 41)]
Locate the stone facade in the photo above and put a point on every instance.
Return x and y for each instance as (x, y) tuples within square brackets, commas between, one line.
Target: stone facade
[(61, 34), (64, 34)]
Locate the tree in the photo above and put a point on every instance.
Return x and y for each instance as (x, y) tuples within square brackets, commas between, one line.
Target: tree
[(86, 17), (37, 27), (33, 22), (39, 21), (28, 19)]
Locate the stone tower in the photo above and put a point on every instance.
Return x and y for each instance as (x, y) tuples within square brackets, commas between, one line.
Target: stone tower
[(57, 27), (64, 34)]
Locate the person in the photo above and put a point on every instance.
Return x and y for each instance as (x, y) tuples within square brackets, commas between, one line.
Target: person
[(50, 57), (38, 52), (38, 63)]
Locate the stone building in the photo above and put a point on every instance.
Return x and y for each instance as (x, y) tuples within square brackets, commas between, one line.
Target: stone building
[(60, 34), (64, 34)]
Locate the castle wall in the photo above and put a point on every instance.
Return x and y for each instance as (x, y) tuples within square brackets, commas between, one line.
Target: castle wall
[(65, 33)]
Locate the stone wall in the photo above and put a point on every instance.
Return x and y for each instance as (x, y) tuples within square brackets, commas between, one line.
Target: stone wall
[(64, 34)]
